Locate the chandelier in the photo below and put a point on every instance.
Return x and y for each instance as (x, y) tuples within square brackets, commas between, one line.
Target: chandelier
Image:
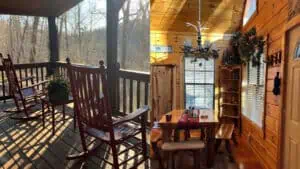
[(207, 51)]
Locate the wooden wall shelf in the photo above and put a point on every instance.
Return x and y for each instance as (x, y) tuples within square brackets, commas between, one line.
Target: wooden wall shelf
[(230, 81)]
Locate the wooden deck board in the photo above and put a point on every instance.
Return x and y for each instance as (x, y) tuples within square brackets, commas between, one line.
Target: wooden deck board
[(24, 137), (7, 160), (29, 145), (15, 149)]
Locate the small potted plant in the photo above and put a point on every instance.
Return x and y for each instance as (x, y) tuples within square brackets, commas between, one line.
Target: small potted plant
[(58, 90)]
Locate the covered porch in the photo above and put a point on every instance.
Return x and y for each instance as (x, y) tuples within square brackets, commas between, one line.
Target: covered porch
[(29, 144)]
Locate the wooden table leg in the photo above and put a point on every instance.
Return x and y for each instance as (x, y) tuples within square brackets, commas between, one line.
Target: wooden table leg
[(210, 146), (43, 113), (64, 112), (74, 119), (166, 135), (53, 119)]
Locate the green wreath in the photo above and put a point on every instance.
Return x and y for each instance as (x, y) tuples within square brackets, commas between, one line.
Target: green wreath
[(249, 46)]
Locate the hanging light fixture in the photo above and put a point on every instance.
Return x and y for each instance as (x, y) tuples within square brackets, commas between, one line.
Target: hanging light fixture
[(207, 51)]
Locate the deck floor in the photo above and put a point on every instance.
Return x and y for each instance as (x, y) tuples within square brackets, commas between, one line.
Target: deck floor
[(29, 145)]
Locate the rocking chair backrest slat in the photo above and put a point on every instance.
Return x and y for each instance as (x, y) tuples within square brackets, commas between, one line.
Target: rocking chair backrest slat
[(90, 96), (14, 85)]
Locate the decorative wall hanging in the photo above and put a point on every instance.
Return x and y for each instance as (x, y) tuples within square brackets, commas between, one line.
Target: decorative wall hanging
[(274, 59), (207, 51), (249, 45), (161, 49), (276, 89)]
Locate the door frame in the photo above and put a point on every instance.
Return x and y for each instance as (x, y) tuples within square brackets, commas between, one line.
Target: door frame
[(294, 22)]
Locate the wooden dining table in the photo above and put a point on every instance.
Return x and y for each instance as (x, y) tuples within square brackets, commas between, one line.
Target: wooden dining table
[(206, 120)]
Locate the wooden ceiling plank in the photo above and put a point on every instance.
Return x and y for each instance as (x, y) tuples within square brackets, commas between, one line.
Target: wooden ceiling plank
[(220, 15), (43, 8)]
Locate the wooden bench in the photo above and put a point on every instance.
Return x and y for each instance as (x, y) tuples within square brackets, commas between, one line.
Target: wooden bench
[(183, 146), (155, 145), (171, 148), (225, 132)]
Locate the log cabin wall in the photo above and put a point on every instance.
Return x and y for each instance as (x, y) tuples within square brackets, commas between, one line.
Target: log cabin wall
[(168, 28), (176, 41), (270, 20)]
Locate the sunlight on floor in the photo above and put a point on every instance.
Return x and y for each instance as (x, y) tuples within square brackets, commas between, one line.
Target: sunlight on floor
[(29, 145)]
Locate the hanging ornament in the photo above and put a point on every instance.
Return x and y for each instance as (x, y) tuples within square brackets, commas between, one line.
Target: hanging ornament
[(207, 51)]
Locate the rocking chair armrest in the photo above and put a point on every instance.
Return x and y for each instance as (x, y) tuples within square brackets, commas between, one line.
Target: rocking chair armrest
[(27, 78), (36, 84), (139, 112)]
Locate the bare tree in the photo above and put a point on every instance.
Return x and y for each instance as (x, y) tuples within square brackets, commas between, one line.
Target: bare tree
[(34, 39), (42, 35), (10, 29), (126, 13), (66, 35), (79, 29), (62, 19), (21, 49)]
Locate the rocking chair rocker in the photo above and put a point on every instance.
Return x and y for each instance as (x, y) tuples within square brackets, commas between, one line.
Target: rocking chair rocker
[(94, 115)]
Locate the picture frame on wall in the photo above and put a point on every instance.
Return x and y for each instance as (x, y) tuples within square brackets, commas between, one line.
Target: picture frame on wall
[(161, 49)]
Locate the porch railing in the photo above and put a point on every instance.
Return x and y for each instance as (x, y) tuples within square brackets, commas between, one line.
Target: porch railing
[(132, 90), (38, 70)]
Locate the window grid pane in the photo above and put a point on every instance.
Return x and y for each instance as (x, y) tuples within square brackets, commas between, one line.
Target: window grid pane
[(199, 83)]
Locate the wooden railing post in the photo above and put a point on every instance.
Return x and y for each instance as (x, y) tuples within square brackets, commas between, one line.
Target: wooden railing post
[(53, 45), (112, 21), (118, 88)]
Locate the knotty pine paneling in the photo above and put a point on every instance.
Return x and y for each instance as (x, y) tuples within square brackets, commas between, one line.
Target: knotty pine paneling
[(273, 111), (259, 145), (176, 41), (269, 21)]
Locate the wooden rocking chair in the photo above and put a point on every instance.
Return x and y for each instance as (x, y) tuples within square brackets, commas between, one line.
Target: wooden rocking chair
[(26, 99), (94, 113)]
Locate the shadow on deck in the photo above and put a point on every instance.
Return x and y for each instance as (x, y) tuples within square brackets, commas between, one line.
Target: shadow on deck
[(29, 145)]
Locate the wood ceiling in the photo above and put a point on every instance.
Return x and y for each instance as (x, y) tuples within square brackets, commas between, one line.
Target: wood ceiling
[(220, 16), (36, 7)]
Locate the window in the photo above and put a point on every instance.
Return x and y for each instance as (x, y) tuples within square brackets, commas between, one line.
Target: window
[(199, 83), (250, 9), (297, 52), (255, 93)]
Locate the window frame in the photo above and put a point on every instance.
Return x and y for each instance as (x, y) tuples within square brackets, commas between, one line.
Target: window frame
[(253, 14), (258, 85), (200, 84), (297, 51)]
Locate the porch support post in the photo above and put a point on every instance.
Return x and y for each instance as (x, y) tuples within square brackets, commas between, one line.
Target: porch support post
[(112, 8), (53, 44)]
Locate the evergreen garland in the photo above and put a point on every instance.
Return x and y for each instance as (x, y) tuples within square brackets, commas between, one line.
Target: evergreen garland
[(249, 46)]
